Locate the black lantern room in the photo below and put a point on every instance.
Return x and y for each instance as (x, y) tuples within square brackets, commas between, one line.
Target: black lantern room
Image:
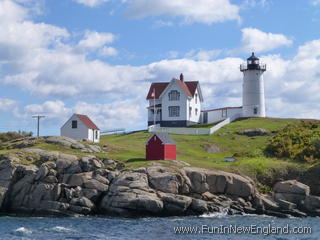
[(253, 62)]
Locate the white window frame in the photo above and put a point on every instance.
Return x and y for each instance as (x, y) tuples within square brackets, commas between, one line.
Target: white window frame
[(174, 111), (174, 95)]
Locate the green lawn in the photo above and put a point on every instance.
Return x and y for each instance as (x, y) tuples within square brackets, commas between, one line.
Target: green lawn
[(248, 151)]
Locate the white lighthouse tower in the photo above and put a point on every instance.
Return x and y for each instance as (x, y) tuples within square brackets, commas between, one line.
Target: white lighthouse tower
[(253, 101)]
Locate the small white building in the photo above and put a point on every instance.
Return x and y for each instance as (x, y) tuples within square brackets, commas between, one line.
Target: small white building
[(219, 114), (174, 104), (80, 127)]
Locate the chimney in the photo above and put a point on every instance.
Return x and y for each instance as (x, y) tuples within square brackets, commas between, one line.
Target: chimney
[(181, 77)]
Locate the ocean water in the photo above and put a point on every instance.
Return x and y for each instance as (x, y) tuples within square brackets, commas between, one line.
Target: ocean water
[(156, 228)]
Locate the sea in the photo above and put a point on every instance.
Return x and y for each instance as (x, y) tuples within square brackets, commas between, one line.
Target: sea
[(212, 226)]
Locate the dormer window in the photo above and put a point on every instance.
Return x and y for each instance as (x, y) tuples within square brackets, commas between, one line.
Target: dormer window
[(174, 95)]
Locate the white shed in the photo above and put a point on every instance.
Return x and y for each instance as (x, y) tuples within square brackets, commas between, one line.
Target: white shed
[(81, 127)]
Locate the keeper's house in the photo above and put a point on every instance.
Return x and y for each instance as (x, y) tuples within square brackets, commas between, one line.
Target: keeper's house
[(81, 127), (160, 146), (174, 104)]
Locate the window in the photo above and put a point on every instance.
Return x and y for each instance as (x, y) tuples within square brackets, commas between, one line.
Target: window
[(255, 110), (190, 112), (174, 111), (152, 111), (74, 124), (159, 111), (174, 95), (96, 134), (196, 111), (196, 96)]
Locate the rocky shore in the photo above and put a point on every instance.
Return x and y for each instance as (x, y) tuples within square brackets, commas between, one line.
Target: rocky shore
[(40, 182)]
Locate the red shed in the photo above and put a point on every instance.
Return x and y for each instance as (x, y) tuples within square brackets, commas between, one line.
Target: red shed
[(160, 146)]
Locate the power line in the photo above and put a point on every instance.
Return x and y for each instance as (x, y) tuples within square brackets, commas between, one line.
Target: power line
[(38, 117)]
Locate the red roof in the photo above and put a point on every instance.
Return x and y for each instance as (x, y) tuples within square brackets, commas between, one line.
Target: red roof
[(87, 121), (189, 88), (217, 109)]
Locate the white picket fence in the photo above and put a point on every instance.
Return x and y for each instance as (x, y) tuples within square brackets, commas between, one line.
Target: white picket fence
[(193, 131)]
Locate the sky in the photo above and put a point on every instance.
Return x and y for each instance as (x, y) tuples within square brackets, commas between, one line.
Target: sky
[(99, 57)]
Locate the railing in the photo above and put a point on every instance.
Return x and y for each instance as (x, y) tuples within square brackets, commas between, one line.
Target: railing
[(224, 122), (193, 131), (111, 131), (244, 67)]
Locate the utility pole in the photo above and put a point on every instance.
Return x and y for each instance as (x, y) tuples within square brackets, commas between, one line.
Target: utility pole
[(38, 117)]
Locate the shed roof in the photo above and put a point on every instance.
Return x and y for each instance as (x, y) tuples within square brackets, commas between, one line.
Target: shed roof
[(164, 137), (87, 121)]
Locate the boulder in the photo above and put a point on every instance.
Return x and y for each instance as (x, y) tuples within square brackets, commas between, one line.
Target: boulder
[(136, 202), (94, 184), (65, 142), (292, 187), (77, 179), (41, 192), (163, 179), (311, 203), (175, 204), (67, 163), (265, 202), (199, 206), (240, 186), (198, 179), (218, 181), (83, 202), (285, 205), (132, 180), (290, 197), (130, 194), (91, 194)]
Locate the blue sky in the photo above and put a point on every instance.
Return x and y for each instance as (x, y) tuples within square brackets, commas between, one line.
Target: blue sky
[(98, 57)]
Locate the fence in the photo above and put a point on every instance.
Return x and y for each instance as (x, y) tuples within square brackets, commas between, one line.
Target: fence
[(193, 131)]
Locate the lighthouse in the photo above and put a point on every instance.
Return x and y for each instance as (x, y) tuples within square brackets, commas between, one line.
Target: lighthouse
[(253, 101)]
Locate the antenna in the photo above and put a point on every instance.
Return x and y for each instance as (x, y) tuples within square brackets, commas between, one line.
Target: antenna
[(38, 117)]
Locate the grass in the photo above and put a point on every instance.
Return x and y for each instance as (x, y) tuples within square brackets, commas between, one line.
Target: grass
[(248, 151), (210, 125)]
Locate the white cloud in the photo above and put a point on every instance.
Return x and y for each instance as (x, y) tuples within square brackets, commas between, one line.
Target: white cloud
[(255, 40), (9, 12), (108, 51), (91, 3), (94, 40), (52, 109), (203, 55), (203, 11), (7, 104), (255, 3), (315, 2)]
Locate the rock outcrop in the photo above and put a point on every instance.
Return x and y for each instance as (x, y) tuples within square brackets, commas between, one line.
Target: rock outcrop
[(38, 182), (251, 132)]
